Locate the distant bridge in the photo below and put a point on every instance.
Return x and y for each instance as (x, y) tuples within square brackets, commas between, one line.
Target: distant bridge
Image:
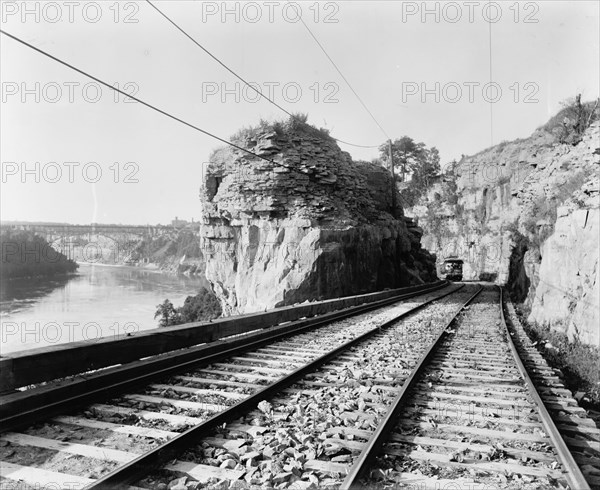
[(95, 242), (93, 228)]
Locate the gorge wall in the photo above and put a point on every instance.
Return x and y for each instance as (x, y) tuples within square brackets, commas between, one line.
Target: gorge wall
[(307, 223), (171, 250), (526, 214)]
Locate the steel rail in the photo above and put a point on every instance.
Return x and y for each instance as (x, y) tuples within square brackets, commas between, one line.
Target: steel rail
[(146, 463), (24, 408), (385, 427), (573, 475)]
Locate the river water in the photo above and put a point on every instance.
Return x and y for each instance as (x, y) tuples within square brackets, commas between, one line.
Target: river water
[(98, 301)]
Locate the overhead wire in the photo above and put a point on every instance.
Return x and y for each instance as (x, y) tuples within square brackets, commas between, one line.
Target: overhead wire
[(147, 104), (344, 77), (259, 92), (491, 80), (171, 21)]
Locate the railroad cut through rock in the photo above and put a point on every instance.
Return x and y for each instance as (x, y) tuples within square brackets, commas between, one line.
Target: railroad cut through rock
[(526, 213)]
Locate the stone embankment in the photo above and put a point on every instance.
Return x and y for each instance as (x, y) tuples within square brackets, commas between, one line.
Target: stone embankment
[(304, 223)]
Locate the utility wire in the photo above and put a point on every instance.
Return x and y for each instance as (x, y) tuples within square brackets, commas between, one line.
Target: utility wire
[(165, 113), (215, 58), (345, 79), (491, 78), (180, 29)]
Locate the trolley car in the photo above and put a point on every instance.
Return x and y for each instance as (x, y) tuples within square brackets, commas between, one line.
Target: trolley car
[(453, 268)]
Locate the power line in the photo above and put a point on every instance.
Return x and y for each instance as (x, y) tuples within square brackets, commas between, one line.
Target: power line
[(491, 78), (345, 79), (354, 144), (180, 29), (215, 58), (165, 113)]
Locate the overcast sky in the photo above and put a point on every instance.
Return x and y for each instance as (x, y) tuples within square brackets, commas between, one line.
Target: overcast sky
[(392, 52)]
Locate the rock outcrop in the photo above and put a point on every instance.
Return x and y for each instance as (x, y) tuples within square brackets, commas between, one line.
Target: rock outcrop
[(304, 222), (525, 214), (567, 293)]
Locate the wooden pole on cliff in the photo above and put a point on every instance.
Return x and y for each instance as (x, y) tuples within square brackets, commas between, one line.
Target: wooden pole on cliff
[(393, 178)]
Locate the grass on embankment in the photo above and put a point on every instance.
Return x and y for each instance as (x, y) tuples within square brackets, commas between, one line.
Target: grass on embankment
[(578, 362)]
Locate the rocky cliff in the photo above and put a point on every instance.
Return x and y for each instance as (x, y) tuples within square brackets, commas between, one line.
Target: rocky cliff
[(175, 252), (525, 213), (304, 222)]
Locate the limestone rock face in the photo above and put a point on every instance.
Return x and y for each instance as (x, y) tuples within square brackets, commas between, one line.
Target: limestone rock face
[(567, 292), (516, 217), (307, 224)]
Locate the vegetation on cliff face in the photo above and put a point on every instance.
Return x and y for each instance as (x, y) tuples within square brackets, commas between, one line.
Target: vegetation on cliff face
[(200, 308), (297, 124), (573, 119), (25, 254), (415, 167)]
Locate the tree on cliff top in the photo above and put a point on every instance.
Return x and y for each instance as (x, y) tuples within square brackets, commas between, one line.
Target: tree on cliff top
[(414, 164)]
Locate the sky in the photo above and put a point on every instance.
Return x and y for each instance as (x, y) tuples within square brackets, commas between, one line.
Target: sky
[(75, 151)]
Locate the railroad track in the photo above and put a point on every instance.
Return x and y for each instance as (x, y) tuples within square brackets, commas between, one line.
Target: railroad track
[(470, 416), (75, 450), (425, 395), (579, 431)]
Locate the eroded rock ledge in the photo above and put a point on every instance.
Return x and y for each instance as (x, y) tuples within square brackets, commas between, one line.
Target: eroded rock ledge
[(308, 224)]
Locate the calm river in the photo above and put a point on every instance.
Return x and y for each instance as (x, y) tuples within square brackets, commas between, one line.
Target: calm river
[(98, 301)]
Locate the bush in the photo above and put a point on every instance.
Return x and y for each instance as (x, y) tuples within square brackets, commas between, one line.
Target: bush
[(296, 124), (572, 120), (200, 308)]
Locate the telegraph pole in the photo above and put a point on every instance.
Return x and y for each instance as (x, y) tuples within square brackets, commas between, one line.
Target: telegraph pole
[(393, 178)]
